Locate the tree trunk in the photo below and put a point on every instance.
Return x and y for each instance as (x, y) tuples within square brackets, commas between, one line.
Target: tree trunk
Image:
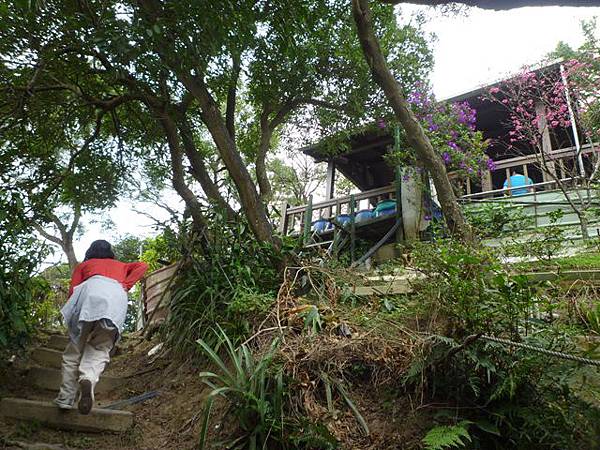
[(199, 171), (179, 184), (249, 198), (583, 223), (70, 252), (415, 134), (215, 123)]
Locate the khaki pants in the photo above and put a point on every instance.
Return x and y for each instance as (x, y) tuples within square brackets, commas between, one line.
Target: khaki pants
[(87, 359)]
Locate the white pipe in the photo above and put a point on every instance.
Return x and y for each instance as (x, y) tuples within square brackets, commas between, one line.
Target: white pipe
[(573, 124)]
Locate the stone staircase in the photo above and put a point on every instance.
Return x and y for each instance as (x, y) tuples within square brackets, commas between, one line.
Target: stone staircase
[(45, 378)]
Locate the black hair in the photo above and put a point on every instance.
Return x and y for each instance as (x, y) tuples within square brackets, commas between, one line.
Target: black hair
[(99, 249)]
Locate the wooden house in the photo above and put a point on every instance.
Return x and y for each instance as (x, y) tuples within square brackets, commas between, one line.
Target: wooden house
[(363, 163)]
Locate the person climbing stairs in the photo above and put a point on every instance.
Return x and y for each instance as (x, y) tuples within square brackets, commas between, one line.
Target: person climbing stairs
[(44, 378)]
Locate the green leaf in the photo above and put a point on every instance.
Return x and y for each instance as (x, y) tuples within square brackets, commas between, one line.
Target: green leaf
[(488, 427), (444, 437), (205, 423)]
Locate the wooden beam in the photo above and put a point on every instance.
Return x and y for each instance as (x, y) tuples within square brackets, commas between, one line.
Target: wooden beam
[(486, 181), (308, 220), (540, 111), (398, 183), (283, 222), (330, 184), (330, 180)]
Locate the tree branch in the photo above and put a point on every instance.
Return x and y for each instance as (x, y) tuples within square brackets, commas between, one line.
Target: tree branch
[(179, 183), (199, 171), (231, 96), (75, 221), (47, 235)]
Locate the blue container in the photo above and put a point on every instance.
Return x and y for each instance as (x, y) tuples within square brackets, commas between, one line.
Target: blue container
[(343, 219), (363, 215), (321, 225), (385, 208)]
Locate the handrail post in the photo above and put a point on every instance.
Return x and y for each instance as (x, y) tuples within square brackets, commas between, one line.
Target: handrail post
[(283, 224), (400, 231), (352, 229), (307, 220)]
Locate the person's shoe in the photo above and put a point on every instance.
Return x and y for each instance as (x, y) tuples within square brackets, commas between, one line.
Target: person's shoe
[(85, 400)]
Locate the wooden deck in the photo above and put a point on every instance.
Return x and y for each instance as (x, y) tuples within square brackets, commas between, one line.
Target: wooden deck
[(371, 229)]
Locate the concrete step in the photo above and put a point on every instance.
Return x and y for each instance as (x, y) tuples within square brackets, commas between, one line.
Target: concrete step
[(392, 288), (50, 379), (99, 420), (57, 342), (46, 357), (20, 445)]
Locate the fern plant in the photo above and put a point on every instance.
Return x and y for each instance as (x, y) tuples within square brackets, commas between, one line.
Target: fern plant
[(445, 436)]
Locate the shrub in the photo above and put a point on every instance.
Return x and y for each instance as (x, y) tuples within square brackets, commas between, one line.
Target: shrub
[(494, 219), (514, 398), (232, 285)]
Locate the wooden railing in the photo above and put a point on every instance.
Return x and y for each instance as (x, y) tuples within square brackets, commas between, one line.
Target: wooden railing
[(531, 189), (295, 219), (562, 162)]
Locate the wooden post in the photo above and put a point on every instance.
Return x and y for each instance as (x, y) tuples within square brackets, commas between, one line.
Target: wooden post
[(526, 173), (307, 220), (540, 111), (400, 231), (562, 169), (508, 183), (352, 229), (330, 184), (283, 221), (535, 209), (486, 181)]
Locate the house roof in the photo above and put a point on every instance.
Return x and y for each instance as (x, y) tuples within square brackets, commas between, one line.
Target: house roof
[(363, 162)]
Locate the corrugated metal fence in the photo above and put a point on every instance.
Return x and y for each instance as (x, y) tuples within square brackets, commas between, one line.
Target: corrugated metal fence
[(156, 294)]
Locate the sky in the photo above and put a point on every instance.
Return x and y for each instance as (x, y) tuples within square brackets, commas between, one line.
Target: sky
[(471, 50)]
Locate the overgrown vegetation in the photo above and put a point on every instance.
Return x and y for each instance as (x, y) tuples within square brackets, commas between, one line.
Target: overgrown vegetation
[(319, 353), (233, 286)]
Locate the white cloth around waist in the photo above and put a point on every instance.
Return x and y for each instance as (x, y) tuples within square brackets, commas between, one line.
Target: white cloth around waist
[(96, 298)]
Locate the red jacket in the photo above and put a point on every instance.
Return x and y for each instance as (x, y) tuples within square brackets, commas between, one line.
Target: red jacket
[(125, 273)]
